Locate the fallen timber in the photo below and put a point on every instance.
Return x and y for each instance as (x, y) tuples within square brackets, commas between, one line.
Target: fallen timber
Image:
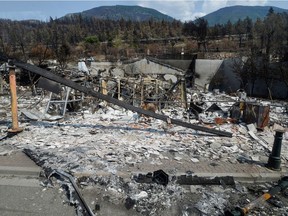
[(88, 91)]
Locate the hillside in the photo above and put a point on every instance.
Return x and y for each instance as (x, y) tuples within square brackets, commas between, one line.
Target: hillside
[(133, 13), (235, 13)]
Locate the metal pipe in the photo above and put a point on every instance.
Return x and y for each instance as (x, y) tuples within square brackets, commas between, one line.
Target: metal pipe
[(12, 82), (274, 160)]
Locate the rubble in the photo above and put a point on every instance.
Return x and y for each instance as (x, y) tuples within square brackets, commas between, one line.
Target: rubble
[(110, 144), (259, 202)]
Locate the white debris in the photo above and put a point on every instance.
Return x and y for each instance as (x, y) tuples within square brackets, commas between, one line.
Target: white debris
[(112, 140), (252, 128), (194, 160), (141, 195), (82, 67)]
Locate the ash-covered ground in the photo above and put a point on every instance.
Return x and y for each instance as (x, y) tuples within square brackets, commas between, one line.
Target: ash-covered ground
[(105, 148)]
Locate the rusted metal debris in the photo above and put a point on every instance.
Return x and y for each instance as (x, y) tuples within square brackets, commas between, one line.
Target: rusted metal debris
[(251, 113), (109, 99), (256, 113)]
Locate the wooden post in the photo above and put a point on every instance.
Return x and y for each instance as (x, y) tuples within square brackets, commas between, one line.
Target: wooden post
[(104, 87), (12, 81)]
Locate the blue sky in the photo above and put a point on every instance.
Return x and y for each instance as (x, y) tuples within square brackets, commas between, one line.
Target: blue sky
[(180, 9)]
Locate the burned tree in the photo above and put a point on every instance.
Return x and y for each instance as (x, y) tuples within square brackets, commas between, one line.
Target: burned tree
[(40, 52)]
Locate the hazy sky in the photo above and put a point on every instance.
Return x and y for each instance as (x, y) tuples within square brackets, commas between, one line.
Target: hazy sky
[(179, 9)]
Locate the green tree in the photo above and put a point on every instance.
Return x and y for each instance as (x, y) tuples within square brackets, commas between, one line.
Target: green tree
[(248, 28), (270, 11), (229, 28), (201, 32), (91, 39), (240, 31), (259, 31), (189, 28)]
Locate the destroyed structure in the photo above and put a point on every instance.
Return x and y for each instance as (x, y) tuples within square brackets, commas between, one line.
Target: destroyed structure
[(150, 138)]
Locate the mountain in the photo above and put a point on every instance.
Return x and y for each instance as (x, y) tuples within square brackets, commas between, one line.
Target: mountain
[(234, 13), (133, 13)]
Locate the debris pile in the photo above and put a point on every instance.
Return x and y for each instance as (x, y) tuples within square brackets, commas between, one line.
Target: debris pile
[(111, 145)]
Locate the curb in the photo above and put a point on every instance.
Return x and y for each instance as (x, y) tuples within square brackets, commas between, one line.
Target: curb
[(239, 177), (27, 171)]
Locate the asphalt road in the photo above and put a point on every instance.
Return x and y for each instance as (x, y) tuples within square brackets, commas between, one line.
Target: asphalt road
[(22, 195)]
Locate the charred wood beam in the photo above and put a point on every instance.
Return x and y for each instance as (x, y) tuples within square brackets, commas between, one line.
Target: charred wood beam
[(109, 99)]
